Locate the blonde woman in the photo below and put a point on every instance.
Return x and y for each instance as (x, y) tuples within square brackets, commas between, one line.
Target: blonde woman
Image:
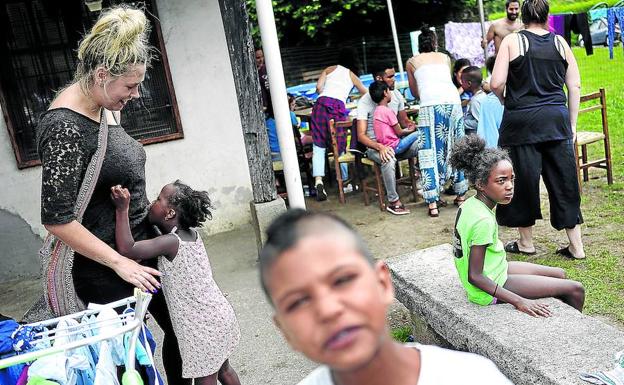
[(440, 120), (112, 60)]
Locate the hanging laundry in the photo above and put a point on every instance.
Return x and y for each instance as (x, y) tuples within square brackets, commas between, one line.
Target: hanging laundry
[(144, 353), (596, 14), (24, 338), (58, 368), (614, 15), (36, 380), (69, 330), (13, 374), (463, 40), (556, 24), (578, 23), (7, 327)]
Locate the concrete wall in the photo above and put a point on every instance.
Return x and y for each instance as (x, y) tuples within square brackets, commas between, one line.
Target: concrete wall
[(211, 156)]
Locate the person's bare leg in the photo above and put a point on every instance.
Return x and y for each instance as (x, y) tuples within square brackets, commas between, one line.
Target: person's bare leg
[(537, 286), (527, 268), (576, 242), (227, 374), (208, 380), (525, 243)]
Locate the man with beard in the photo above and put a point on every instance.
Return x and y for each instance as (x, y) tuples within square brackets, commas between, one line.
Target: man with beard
[(384, 155), (503, 27)]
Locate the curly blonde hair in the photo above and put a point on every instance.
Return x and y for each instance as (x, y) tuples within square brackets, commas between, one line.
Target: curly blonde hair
[(117, 41)]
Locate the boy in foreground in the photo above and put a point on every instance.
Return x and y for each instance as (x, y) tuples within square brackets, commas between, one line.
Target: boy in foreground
[(330, 299)]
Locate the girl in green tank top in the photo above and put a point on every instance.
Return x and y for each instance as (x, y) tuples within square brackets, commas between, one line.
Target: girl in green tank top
[(480, 257)]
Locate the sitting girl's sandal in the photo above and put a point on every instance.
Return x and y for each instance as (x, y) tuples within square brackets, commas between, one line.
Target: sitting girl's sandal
[(434, 212), (397, 209)]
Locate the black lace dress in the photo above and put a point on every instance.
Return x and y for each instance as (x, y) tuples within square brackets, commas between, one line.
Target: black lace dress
[(67, 141)]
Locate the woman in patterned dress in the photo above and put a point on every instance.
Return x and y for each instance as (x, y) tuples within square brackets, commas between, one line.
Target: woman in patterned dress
[(440, 120)]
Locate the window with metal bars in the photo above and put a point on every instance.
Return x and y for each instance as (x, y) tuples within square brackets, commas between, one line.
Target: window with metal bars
[(38, 42)]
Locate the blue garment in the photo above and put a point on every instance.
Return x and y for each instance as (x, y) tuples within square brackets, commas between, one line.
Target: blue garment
[(145, 358), (77, 332), (596, 14), (293, 119), (466, 95), (11, 374), (490, 119), (6, 330), (405, 143), (272, 132), (23, 337), (613, 15), (59, 368)]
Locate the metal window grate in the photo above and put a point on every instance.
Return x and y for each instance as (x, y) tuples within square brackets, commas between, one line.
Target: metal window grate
[(38, 38)]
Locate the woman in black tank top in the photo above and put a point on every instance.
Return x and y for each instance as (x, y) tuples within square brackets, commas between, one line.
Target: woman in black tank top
[(538, 128)]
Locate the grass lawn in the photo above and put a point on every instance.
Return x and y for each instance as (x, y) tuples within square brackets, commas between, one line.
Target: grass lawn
[(602, 272)]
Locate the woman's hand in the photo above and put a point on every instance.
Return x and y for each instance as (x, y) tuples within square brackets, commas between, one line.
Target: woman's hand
[(120, 197), (140, 276), (533, 308)]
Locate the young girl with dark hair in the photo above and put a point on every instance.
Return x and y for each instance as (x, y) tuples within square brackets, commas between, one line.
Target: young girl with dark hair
[(203, 320), (480, 257)]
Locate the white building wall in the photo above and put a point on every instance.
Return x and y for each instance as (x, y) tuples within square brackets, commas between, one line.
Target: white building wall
[(212, 154)]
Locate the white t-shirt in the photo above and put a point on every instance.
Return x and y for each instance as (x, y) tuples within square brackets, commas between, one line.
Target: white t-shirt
[(366, 109), (438, 366)]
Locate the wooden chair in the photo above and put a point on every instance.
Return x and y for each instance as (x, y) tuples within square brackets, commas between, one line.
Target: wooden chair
[(379, 188), (584, 138), (340, 129)]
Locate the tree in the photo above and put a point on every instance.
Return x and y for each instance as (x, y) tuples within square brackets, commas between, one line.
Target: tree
[(311, 17), (323, 22)]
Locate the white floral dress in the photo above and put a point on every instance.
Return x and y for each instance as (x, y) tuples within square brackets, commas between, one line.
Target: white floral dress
[(203, 320)]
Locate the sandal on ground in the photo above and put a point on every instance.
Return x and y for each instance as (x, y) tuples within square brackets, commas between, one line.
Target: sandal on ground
[(512, 247), (441, 203), (565, 252), (433, 214), (397, 209), (459, 200), (321, 195)]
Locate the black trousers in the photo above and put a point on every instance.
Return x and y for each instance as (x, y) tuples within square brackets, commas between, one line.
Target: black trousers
[(555, 162), (578, 23)]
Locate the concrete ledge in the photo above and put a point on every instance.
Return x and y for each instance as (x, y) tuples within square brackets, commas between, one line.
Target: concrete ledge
[(262, 214), (528, 350)]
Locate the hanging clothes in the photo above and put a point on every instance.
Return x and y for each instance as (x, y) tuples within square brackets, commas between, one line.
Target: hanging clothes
[(69, 331), (578, 23), (463, 40), (613, 15), (7, 327), (596, 14), (556, 24), (144, 353)]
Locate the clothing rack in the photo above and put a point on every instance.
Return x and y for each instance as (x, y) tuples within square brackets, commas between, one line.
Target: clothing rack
[(132, 322)]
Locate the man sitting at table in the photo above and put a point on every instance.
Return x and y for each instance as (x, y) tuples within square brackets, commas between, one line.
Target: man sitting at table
[(384, 155)]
